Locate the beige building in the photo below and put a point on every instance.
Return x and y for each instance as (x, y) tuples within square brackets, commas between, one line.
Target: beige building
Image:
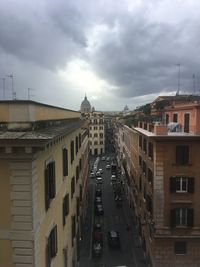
[(43, 175), (97, 133)]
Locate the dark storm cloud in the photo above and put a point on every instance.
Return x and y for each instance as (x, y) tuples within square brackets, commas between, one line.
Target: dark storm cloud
[(135, 51), (141, 58), (48, 35)]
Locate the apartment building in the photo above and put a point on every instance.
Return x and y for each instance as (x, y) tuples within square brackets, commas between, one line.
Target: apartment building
[(43, 173), (97, 133), (162, 170)]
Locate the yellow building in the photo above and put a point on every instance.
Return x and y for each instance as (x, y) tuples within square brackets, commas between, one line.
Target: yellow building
[(42, 181)]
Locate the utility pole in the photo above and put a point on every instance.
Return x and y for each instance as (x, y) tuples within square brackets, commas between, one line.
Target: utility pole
[(179, 76), (4, 83)]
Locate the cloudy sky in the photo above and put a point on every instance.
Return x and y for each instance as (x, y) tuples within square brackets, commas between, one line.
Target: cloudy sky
[(118, 52)]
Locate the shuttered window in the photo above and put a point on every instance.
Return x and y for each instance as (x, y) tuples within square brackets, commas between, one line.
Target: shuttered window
[(50, 184), (76, 144), (72, 151), (180, 248), (51, 247), (181, 184), (182, 155), (65, 162), (65, 208), (182, 217), (72, 186), (79, 138)]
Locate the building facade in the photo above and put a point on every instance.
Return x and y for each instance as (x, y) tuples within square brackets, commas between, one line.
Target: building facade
[(162, 172), (97, 133), (43, 150)]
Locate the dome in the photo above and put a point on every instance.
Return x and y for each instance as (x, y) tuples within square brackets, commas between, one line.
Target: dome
[(85, 106)]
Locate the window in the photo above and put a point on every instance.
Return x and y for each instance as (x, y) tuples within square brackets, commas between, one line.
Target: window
[(77, 207), (72, 187), (101, 135), (80, 193), (72, 151), (50, 184), (182, 155), (77, 173), (80, 164), (144, 145), (95, 142), (79, 140), (175, 117), (90, 135), (140, 161), (65, 162), (76, 144), (150, 150), (167, 118), (95, 135), (101, 143), (182, 217), (51, 248), (144, 167), (180, 248), (181, 184), (150, 176), (65, 208), (140, 141)]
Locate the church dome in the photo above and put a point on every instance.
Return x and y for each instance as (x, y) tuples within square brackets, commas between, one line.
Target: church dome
[(85, 106)]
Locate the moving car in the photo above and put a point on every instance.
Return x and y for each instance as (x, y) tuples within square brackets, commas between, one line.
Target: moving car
[(113, 239), (108, 167), (103, 158), (100, 170), (98, 200), (92, 175), (98, 174)]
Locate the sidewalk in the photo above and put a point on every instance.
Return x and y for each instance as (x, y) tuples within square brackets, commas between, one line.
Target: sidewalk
[(137, 251)]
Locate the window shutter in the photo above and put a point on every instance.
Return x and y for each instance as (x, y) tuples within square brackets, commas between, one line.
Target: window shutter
[(48, 255), (47, 193), (172, 184), (64, 210), (190, 217), (173, 218), (191, 185), (53, 180)]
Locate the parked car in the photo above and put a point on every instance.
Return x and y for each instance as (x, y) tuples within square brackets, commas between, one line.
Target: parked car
[(113, 239), (97, 226), (98, 200), (98, 209), (103, 158), (99, 180), (107, 159), (98, 192), (97, 249), (108, 167), (100, 170), (113, 178), (98, 174), (92, 175)]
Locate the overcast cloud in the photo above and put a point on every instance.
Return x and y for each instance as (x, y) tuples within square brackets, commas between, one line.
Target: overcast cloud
[(117, 52)]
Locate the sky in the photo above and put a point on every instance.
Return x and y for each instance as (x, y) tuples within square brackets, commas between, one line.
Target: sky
[(117, 52)]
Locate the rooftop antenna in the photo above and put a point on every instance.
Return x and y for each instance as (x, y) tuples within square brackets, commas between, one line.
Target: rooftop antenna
[(13, 93), (4, 83), (194, 84), (29, 93), (179, 74)]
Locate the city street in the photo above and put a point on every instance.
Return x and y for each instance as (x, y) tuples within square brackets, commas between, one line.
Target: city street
[(115, 218)]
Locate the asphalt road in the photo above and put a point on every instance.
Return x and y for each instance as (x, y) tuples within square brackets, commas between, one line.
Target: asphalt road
[(114, 218)]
